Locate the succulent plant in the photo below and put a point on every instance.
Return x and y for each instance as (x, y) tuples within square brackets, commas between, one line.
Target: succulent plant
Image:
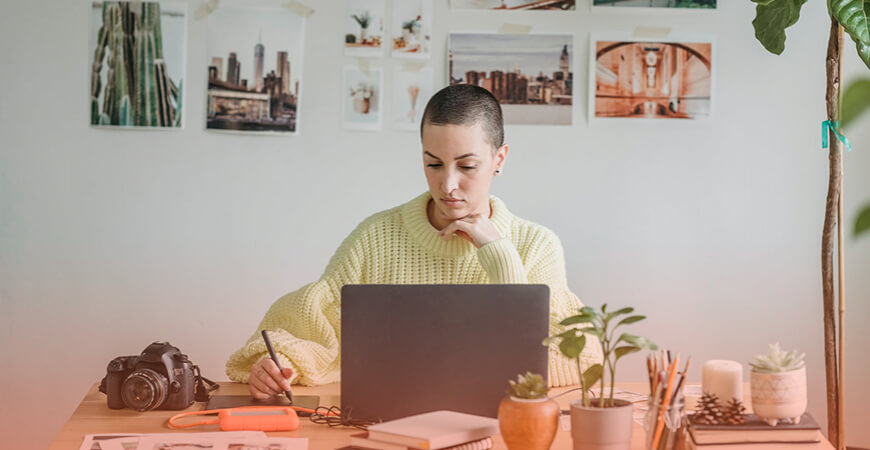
[(528, 386), (778, 360)]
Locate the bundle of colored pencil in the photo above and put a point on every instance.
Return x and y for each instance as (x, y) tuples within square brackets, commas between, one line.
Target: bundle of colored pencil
[(666, 383)]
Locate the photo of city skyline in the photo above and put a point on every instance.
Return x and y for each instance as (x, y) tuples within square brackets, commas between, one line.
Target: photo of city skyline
[(254, 69), (137, 63), (530, 75), (698, 4), (507, 5), (652, 80)]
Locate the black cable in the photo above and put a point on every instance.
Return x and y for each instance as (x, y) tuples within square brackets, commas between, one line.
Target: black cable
[(334, 417)]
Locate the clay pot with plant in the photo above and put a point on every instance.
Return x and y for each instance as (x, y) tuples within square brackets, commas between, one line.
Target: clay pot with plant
[(603, 422), (778, 382), (527, 418)]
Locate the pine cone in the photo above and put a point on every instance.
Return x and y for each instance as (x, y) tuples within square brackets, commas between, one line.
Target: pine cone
[(733, 413), (708, 411)]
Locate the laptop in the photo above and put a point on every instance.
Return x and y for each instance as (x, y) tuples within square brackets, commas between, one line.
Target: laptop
[(410, 349)]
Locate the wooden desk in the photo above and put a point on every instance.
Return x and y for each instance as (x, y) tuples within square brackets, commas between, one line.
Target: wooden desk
[(93, 417)]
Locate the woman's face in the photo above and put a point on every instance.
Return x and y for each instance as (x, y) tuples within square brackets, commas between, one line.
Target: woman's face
[(459, 163)]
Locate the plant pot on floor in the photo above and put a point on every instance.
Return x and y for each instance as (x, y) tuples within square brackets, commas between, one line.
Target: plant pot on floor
[(528, 424), (596, 428), (779, 395)]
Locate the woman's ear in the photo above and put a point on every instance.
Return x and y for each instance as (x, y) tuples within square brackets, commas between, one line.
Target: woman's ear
[(500, 158)]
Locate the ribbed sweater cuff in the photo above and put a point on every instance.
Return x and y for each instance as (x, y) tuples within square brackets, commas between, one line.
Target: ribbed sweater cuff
[(502, 263)]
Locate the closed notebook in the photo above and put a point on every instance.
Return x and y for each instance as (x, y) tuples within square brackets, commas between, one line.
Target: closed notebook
[(434, 430), (756, 430), (691, 445), (361, 441)]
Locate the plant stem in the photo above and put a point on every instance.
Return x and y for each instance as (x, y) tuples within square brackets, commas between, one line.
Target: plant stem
[(832, 98)]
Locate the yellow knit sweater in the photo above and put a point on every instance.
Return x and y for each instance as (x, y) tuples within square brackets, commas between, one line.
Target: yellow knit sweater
[(400, 246)]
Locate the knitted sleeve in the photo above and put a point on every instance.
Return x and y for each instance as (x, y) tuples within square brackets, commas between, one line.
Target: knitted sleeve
[(548, 267), (502, 263), (304, 325)]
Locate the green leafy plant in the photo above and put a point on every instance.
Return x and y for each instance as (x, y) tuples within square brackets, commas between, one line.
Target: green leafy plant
[(772, 17), (363, 19), (529, 386), (350, 38), (777, 360), (856, 101), (599, 324)]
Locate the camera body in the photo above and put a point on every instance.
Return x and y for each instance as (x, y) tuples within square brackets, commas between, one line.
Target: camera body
[(161, 377)]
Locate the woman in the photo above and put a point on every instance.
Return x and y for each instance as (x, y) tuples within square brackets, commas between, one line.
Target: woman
[(456, 233)]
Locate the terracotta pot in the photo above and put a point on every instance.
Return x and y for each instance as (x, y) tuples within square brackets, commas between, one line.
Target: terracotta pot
[(361, 105), (601, 428), (528, 424), (778, 396)]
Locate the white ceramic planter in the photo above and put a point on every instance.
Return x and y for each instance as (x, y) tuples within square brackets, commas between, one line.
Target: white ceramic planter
[(601, 428), (778, 396)]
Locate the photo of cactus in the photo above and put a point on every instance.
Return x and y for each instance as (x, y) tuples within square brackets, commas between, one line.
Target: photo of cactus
[(508, 5), (137, 64), (364, 28), (254, 69)]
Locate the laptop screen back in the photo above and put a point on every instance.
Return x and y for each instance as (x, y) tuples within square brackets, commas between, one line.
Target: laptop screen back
[(408, 349)]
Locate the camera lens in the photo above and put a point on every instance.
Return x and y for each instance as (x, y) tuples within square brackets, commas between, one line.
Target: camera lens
[(144, 390)]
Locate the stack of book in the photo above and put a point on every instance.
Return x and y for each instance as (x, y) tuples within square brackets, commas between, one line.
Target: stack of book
[(755, 433), (437, 430)]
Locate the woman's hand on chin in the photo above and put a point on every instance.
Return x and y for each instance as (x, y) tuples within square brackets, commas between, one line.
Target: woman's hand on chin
[(474, 228)]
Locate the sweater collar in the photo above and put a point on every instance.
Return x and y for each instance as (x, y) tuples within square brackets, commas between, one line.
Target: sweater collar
[(417, 223)]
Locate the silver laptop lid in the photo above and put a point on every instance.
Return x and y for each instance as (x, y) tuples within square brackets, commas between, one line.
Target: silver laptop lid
[(409, 349)]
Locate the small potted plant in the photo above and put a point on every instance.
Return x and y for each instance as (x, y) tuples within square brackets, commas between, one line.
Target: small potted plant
[(527, 418), (363, 19), (778, 382), (603, 422)]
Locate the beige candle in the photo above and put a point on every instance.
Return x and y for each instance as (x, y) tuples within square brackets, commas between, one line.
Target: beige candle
[(722, 378)]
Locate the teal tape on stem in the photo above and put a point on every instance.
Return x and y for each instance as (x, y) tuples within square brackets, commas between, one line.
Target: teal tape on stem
[(834, 126)]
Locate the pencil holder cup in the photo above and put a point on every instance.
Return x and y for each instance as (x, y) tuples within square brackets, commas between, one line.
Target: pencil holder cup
[(665, 429)]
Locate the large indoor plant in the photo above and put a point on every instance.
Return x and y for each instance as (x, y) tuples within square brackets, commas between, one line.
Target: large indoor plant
[(527, 418), (853, 16), (603, 422)]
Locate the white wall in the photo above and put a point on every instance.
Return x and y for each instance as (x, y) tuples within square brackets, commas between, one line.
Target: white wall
[(109, 240)]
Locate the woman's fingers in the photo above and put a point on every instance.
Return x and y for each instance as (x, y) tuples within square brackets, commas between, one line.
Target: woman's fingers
[(279, 382)]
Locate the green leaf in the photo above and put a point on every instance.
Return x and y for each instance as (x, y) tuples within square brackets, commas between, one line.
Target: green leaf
[(630, 319), (854, 16), (637, 341), (576, 319), (592, 375), (594, 331), (856, 100), (604, 308), (864, 53), (772, 18), (863, 222), (572, 346), (589, 311), (622, 351)]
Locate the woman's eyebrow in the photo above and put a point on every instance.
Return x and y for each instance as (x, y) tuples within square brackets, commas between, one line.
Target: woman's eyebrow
[(467, 155), (431, 155)]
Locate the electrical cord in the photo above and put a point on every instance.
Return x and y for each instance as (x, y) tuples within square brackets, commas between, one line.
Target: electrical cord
[(334, 417)]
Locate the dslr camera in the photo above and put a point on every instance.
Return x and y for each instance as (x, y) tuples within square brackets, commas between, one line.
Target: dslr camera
[(161, 377)]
